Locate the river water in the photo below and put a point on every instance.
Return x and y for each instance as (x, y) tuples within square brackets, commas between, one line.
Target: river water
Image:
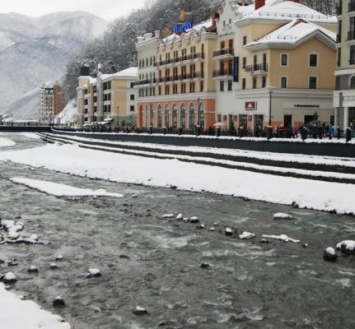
[(155, 262)]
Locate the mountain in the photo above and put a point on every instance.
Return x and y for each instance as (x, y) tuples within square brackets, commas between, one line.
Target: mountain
[(34, 51)]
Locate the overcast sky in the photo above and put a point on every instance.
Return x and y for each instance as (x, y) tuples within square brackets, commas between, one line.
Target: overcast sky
[(107, 9)]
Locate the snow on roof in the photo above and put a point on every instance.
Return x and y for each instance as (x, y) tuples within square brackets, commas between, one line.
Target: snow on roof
[(131, 72), (196, 28), (281, 9), (292, 33)]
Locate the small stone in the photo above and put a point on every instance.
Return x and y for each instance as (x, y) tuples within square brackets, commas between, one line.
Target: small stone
[(32, 269), (124, 256), (305, 245), (179, 216), (246, 235), (228, 231), (212, 229), (12, 262), (205, 265), (167, 216), (58, 301), (200, 226), (9, 277), (264, 241), (194, 220), (53, 266), (59, 258), (140, 311), (94, 273)]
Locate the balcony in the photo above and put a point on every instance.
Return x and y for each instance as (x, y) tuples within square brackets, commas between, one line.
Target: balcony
[(142, 82), (224, 53), (197, 75), (256, 68), (222, 73)]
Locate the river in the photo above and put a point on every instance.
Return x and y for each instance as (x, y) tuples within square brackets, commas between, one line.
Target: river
[(155, 263)]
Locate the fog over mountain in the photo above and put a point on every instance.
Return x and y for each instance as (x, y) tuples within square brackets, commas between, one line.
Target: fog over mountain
[(34, 51)]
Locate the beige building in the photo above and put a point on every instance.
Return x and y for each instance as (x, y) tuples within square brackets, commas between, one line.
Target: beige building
[(184, 89), (109, 99), (285, 56), (344, 94)]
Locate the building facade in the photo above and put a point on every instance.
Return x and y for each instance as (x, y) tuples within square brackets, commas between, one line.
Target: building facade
[(181, 92), (109, 99), (285, 54), (51, 102), (344, 94), (254, 64)]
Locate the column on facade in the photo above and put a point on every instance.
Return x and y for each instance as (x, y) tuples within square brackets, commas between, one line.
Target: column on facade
[(346, 117), (336, 117)]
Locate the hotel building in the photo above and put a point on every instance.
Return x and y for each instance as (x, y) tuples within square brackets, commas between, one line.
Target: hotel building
[(176, 86), (50, 102), (287, 62), (344, 94), (108, 99), (254, 64)]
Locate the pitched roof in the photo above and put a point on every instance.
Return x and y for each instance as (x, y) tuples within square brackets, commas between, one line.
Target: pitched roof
[(292, 34), (282, 10)]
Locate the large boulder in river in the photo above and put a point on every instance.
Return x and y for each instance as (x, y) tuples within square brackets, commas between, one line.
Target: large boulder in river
[(282, 216), (347, 247), (330, 254)]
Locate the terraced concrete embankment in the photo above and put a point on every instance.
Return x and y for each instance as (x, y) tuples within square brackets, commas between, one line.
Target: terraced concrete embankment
[(325, 167)]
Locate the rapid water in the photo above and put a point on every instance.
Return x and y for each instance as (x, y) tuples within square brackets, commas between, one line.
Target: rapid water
[(155, 263)]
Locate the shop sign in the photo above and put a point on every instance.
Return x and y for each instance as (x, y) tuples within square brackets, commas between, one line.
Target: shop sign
[(250, 106)]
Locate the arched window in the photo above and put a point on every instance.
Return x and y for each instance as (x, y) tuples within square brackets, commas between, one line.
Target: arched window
[(191, 116), (352, 82), (174, 116), (160, 117), (183, 116), (166, 116), (201, 115), (151, 115)]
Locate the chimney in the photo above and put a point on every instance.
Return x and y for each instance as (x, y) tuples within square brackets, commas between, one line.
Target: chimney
[(259, 4)]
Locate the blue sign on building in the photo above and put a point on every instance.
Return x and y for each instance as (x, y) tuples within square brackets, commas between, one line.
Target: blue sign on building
[(180, 28)]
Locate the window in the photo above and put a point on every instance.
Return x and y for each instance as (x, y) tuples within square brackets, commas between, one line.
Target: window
[(244, 40), (263, 82), (175, 89), (132, 97), (183, 88), (312, 83), (313, 60), (283, 82), (244, 62), (221, 86), (284, 60), (131, 108), (352, 55), (243, 83), (192, 87), (254, 83), (230, 84)]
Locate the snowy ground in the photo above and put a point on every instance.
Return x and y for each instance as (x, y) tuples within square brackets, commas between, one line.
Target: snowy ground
[(71, 159)]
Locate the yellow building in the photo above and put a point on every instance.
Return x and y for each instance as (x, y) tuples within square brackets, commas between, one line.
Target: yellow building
[(109, 99), (184, 90), (285, 54)]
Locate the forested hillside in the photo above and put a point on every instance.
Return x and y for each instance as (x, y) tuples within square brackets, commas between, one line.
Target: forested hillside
[(116, 49)]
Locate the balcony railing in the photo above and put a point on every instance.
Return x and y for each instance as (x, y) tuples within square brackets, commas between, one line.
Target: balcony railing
[(181, 59), (219, 73), (221, 52), (256, 67)]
